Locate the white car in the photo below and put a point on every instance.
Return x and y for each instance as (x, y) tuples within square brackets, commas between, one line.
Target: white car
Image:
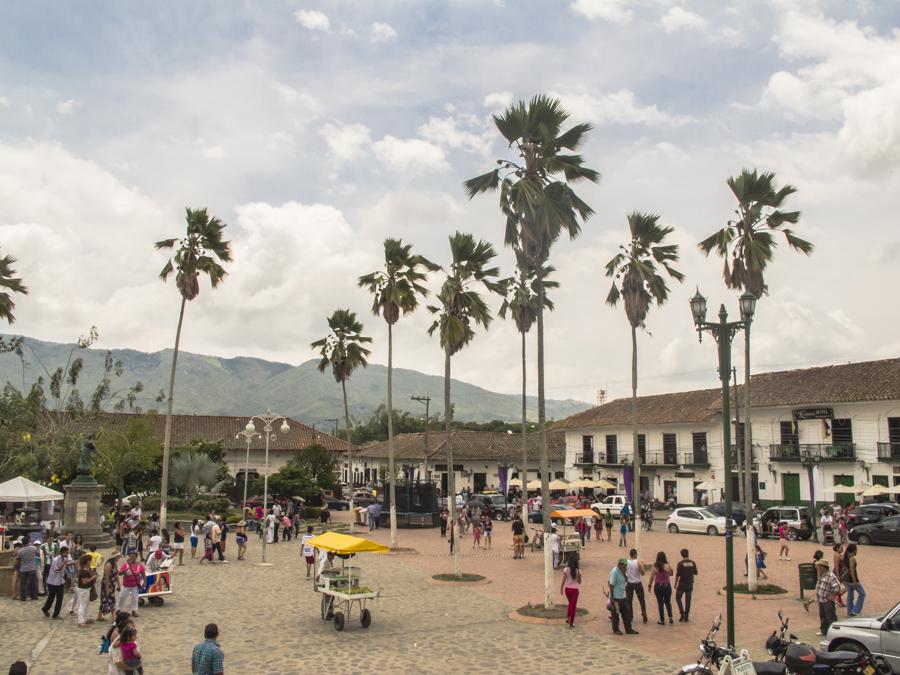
[(695, 520), (612, 503)]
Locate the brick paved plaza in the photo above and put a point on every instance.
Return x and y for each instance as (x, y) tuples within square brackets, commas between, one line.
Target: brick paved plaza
[(269, 616)]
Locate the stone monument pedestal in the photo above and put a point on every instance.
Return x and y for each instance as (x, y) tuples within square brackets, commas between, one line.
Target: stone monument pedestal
[(82, 511)]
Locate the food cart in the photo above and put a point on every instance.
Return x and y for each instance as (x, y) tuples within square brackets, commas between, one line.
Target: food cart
[(569, 539), (157, 584), (340, 587)]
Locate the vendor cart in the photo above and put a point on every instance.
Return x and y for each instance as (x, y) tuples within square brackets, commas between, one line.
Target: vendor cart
[(157, 584), (340, 587), (569, 539)]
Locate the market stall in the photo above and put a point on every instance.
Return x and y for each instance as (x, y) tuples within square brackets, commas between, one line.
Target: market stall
[(569, 539)]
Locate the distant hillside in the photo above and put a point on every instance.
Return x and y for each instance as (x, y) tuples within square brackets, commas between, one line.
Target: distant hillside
[(245, 386)]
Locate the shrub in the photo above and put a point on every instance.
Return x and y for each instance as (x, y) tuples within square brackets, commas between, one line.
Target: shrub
[(151, 504), (233, 518), (207, 504), (310, 512)]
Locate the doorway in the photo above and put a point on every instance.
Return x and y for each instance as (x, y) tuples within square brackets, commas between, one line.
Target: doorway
[(790, 488), (843, 499), (480, 480), (444, 482)]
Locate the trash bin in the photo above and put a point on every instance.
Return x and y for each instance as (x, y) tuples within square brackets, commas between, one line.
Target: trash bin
[(808, 577), (362, 516)]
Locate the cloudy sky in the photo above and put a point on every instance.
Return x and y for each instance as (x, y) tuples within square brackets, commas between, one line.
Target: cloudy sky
[(317, 129)]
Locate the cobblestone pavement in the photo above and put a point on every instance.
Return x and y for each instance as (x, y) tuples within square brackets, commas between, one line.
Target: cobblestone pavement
[(269, 623)]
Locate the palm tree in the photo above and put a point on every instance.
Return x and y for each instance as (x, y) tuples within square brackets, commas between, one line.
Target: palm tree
[(636, 270), (461, 308), (198, 252), (521, 303), (396, 287), (539, 204), (747, 245), (343, 350), (192, 471), (9, 282)]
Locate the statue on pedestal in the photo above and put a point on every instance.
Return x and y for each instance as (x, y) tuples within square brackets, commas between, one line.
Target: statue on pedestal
[(85, 461)]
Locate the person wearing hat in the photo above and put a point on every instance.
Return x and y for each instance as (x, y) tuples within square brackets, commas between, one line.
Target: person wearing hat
[(617, 604), (109, 585), (554, 545), (827, 588)]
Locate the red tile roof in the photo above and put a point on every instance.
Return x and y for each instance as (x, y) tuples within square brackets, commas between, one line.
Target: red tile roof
[(491, 445)]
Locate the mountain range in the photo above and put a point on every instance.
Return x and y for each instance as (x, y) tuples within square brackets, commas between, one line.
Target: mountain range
[(242, 385)]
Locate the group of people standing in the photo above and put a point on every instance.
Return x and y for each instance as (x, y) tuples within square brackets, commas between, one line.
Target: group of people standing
[(833, 579)]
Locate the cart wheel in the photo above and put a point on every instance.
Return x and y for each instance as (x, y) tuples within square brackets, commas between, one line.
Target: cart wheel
[(366, 619), (156, 602), (339, 621), (140, 602), (324, 606)]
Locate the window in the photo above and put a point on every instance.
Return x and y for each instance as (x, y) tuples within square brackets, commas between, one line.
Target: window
[(698, 438), (842, 432), (789, 435), (440, 467), (690, 514), (739, 434), (587, 444), (670, 449), (894, 429), (611, 448), (642, 443), (457, 467)]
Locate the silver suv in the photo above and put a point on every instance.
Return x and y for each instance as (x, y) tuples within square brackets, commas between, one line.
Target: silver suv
[(879, 636)]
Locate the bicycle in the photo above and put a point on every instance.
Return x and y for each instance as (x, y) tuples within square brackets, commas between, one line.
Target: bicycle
[(537, 539)]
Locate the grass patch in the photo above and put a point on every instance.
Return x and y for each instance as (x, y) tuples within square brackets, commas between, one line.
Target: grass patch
[(761, 589), (556, 612), (452, 577)]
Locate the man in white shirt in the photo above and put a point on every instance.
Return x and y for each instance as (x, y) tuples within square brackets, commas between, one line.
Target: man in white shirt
[(309, 554), (554, 545)]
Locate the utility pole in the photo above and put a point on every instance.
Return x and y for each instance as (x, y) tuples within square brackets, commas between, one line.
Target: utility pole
[(427, 401), (335, 420)]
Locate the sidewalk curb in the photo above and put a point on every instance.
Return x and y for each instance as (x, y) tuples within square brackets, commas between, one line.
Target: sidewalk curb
[(515, 616), (439, 582)]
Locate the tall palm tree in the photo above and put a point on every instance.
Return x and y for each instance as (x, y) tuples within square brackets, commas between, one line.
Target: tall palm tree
[(638, 281), (539, 204), (461, 308), (396, 288), (521, 303), (11, 283), (199, 252), (747, 245), (343, 350)]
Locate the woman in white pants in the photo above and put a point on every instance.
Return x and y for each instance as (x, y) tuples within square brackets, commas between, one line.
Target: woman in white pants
[(133, 574), (85, 578)]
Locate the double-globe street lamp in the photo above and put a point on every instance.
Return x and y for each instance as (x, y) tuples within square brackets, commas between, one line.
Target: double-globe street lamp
[(723, 332), (248, 437), (267, 420)]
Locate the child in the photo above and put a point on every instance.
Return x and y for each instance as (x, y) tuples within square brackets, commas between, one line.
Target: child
[(131, 655), (608, 522), (488, 530), (207, 549), (623, 531), (784, 552), (761, 562), (195, 531), (95, 557), (476, 534)]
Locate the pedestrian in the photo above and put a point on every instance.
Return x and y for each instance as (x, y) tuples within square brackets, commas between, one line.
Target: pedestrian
[(286, 527), (208, 549), (223, 537), (518, 532), (842, 530), (26, 560), (195, 536), (623, 530), (133, 575), (476, 534), (39, 568), (240, 537), (18, 668), (837, 564), (685, 572), (571, 583), (827, 588), (582, 528), (309, 555), (617, 604), (216, 539), (660, 582), (178, 543), (625, 513), (49, 550), (114, 665), (132, 660), (784, 552), (445, 516), (109, 584), (325, 516), (85, 578), (372, 510), (598, 528), (855, 589), (634, 583), (589, 527), (207, 657), (761, 562), (450, 538), (554, 546), (488, 527), (56, 582)]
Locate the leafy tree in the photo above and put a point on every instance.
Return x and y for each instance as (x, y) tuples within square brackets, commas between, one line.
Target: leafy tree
[(343, 351), (638, 281), (9, 283), (539, 205), (123, 453), (396, 288), (305, 474), (215, 450), (461, 308), (199, 252)]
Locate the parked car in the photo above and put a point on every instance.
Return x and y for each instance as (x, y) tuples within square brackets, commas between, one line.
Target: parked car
[(871, 513), (885, 531), (879, 636), (695, 520), (444, 504), (538, 516), (738, 512), (495, 501), (799, 522), (361, 498), (337, 504), (613, 503)]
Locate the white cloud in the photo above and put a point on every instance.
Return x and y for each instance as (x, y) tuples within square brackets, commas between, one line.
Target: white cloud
[(382, 32), (346, 141), (498, 100), (67, 107), (412, 156), (4, 101), (615, 11), (312, 19), (678, 18), (447, 132), (619, 107)]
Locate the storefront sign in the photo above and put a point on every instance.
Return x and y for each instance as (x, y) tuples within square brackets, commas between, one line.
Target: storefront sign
[(813, 414)]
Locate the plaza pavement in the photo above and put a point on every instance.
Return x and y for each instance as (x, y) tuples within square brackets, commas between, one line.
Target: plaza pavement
[(269, 616)]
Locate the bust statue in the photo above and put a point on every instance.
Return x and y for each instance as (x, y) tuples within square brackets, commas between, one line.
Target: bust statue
[(85, 459)]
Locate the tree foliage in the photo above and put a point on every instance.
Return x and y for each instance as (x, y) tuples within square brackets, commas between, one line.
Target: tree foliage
[(305, 474), (9, 284), (123, 453)]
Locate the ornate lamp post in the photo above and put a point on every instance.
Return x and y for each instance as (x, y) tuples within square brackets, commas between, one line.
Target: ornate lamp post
[(723, 332), (248, 437), (267, 420)]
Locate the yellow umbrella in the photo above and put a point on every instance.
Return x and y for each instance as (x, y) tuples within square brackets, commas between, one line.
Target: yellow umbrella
[(344, 543), (515, 482), (558, 484), (581, 483), (534, 484), (603, 484), (875, 491)]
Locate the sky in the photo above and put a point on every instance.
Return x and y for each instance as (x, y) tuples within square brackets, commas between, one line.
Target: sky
[(317, 129)]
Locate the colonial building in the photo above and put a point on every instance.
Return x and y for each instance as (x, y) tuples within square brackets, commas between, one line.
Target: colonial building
[(481, 459), (811, 429)]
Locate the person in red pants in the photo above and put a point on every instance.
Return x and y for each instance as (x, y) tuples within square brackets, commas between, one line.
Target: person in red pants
[(571, 584)]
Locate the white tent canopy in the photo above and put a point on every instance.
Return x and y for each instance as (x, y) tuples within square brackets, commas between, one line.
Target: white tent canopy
[(707, 485), (843, 490), (21, 489)]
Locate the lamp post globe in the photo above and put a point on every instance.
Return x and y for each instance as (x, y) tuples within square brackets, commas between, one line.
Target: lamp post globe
[(748, 306), (285, 428), (698, 308), (250, 428)]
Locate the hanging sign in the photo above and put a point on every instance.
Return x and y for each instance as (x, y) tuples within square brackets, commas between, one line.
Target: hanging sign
[(812, 414)]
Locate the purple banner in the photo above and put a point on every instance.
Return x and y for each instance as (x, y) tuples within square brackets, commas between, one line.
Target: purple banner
[(628, 478), (502, 472)]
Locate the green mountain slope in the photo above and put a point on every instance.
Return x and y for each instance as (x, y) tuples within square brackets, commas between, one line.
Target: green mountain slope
[(244, 386)]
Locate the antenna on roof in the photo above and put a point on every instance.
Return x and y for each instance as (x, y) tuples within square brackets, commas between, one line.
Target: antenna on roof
[(601, 396)]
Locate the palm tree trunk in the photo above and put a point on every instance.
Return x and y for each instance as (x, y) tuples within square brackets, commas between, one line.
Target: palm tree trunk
[(451, 477), (167, 439), (392, 469), (748, 466), (349, 451), (636, 457), (545, 464), (523, 474)]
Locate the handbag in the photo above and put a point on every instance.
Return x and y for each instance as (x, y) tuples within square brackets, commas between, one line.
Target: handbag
[(93, 595)]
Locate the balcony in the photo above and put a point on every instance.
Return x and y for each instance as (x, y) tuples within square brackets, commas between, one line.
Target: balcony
[(585, 459), (613, 459), (696, 458), (754, 457), (665, 458), (889, 452), (813, 452)]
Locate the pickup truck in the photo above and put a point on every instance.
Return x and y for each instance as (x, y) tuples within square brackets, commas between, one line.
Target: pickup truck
[(613, 503)]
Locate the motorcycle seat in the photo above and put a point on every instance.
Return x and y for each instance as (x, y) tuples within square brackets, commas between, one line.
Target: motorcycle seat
[(836, 658), (769, 668)]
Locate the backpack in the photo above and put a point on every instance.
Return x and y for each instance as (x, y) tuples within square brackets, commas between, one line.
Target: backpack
[(104, 645)]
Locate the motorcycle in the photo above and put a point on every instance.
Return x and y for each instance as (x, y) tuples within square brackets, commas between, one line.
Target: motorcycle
[(801, 659), (712, 656), (646, 517)]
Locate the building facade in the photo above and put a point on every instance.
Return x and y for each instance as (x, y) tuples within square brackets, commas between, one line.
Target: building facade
[(812, 429)]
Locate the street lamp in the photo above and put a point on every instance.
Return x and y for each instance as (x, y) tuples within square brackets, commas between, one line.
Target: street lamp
[(267, 420), (723, 332), (248, 437)]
